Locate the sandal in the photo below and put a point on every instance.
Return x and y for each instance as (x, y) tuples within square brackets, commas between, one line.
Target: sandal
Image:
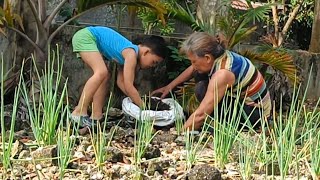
[(79, 119), (92, 123)]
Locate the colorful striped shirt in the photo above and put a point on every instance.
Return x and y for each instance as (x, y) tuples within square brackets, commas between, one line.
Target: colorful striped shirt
[(248, 79)]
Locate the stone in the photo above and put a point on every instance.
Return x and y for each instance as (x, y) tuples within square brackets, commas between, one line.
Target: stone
[(164, 137), (45, 155), (152, 152), (114, 155), (204, 172)]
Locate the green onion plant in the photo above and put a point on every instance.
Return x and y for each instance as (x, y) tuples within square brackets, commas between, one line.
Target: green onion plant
[(248, 150), (99, 141), (284, 134), (7, 142), (44, 112), (66, 141), (143, 136), (227, 127), (315, 153), (195, 147)]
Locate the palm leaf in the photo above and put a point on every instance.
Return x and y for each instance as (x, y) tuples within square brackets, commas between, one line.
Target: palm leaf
[(257, 13), (277, 60), (240, 35), (176, 11), (8, 17), (155, 5)]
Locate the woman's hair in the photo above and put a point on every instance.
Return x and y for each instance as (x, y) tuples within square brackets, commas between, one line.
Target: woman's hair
[(157, 44), (201, 43)]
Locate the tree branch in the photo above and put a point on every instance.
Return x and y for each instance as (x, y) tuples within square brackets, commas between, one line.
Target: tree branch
[(275, 19), (42, 9), (53, 34), (26, 38), (292, 16), (49, 19), (34, 12)]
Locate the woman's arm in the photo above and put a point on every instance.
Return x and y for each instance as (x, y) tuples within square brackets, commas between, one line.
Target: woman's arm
[(218, 84), (184, 76)]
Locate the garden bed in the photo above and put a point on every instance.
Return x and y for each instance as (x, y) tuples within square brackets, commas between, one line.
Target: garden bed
[(169, 155)]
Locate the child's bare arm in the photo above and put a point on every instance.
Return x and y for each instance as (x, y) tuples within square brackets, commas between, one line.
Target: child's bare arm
[(129, 75)]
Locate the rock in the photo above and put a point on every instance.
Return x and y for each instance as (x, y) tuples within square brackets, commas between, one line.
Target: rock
[(157, 165), (114, 155), (115, 113), (164, 137), (38, 167), (180, 140), (152, 152), (24, 154), (125, 169), (46, 156), (204, 172), (97, 176)]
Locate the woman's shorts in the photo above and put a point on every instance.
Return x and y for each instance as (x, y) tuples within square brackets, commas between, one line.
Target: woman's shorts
[(83, 40)]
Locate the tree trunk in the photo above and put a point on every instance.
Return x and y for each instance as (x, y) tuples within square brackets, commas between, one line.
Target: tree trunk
[(207, 11), (315, 36)]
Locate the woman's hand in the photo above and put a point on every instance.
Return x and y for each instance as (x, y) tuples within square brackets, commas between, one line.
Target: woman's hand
[(164, 91)]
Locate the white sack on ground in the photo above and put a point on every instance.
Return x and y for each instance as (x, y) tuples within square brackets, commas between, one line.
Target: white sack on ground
[(160, 118)]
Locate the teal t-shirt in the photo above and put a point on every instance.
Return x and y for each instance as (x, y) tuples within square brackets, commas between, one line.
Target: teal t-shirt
[(110, 43)]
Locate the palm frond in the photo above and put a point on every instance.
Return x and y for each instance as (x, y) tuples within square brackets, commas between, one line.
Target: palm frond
[(257, 13), (176, 11), (240, 35), (155, 5), (281, 61)]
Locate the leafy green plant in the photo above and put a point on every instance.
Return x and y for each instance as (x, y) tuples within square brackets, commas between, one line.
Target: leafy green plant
[(265, 156), (8, 144), (180, 120), (177, 60), (45, 109), (150, 20)]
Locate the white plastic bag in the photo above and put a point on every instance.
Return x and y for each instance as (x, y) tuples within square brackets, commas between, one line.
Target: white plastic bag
[(160, 118)]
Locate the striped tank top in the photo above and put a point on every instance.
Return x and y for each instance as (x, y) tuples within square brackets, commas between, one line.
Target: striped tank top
[(248, 80)]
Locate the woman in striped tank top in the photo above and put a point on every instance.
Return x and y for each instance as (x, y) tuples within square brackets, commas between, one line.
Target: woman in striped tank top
[(221, 74)]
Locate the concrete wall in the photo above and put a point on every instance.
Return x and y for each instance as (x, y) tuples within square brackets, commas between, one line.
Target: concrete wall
[(309, 64)]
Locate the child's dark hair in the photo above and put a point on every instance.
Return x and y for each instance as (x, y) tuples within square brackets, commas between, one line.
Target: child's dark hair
[(157, 45)]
